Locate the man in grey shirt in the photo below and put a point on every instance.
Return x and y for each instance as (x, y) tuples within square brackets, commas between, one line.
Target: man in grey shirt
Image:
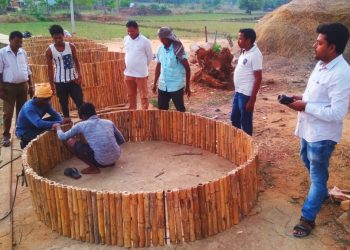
[(103, 140)]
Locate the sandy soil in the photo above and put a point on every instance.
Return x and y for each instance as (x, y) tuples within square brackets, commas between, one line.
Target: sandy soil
[(283, 179), (150, 166)]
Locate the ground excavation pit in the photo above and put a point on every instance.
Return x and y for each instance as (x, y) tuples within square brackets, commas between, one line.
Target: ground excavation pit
[(175, 182), (149, 166)]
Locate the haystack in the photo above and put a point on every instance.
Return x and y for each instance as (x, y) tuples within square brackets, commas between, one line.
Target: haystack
[(290, 30)]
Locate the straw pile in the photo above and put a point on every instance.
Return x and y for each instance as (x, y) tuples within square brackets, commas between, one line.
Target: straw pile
[(290, 30)]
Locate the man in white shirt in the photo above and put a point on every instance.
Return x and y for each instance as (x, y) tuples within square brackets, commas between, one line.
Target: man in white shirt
[(15, 78), (247, 80), (138, 55), (322, 109)]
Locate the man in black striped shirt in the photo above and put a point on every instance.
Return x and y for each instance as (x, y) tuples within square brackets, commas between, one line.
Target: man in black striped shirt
[(66, 79)]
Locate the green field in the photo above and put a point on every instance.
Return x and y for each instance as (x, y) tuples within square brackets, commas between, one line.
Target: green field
[(185, 26)]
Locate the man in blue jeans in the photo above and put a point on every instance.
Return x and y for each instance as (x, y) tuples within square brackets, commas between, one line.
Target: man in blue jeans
[(322, 109), (247, 79)]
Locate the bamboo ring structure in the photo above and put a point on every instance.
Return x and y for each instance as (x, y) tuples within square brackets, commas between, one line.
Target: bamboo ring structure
[(145, 219)]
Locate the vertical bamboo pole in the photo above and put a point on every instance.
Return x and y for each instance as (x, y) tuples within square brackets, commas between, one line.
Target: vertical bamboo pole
[(81, 216), (75, 213), (153, 216), (119, 215), (53, 206), (208, 209), (107, 216), (160, 218), (184, 215), (222, 204), (134, 220), (113, 218), (218, 205), (84, 192), (141, 226), (190, 207), (203, 210), (58, 206), (213, 207), (148, 225), (70, 208), (101, 219), (95, 216), (90, 216), (196, 213), (126, 219), (177, 216), (66, 221), (171, 216)]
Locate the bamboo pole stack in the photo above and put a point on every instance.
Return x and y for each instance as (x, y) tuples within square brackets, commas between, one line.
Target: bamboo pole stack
[(146, 219)]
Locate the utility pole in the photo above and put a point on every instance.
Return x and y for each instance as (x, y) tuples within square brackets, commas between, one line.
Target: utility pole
[(72, 21)]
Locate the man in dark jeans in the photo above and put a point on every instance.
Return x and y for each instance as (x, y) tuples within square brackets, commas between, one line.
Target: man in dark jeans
[(15, 81), (66, 79), (172, 69), (247, 79)]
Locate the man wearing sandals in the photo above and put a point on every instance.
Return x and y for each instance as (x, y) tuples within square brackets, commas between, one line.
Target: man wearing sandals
[(322, 109), (103, 140)]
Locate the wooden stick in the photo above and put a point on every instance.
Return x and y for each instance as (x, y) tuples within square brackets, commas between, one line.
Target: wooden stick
[(148, 224), (141, 226), (101, 220), (113, 218), (126, 219), (134, 220), (81, 216), (66, 216), (184, 215), (171, 216), (218, 205), (95, 216), (53, 206), (213, 207), (153, 217), (196, 214), (190, 208), (90, 216), (177, 216), (160, 218), (107, 217), (209, 210), (203, 210), (119, 215)]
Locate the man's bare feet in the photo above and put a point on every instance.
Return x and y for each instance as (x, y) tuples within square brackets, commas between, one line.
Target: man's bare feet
[(90, 170)]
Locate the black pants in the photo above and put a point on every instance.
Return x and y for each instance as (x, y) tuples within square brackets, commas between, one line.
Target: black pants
[(66, 89), (177, 97)]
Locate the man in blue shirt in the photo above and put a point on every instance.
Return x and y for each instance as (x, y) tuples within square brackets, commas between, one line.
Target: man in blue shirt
[(172, 66), (103, 140), (30, 121)]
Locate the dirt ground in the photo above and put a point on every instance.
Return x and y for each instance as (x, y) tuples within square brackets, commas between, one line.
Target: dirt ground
[(176, 166), (283, 179)]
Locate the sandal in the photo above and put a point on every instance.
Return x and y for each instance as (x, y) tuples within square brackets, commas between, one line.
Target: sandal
[(303, 228), (72, 172)]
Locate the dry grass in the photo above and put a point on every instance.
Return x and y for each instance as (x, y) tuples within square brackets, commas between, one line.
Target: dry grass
[(290, 30)]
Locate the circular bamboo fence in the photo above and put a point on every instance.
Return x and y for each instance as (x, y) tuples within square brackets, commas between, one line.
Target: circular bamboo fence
[(34, 41), (147, 219), (102, 83), (83, 57), (80, 46)]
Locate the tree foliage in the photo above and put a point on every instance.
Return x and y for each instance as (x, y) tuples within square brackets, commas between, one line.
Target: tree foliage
[(250, 5)]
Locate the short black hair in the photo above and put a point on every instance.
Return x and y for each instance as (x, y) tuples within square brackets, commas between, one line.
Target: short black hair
[(56, 29), (15, 34), (336, 33), (87, 109), (248, 34), (132, 23)]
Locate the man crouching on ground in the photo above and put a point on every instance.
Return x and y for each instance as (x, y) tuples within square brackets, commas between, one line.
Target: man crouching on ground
[(103, 140)]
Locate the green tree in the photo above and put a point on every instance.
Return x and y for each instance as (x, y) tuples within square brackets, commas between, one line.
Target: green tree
[(3, 5), (250, 5)]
